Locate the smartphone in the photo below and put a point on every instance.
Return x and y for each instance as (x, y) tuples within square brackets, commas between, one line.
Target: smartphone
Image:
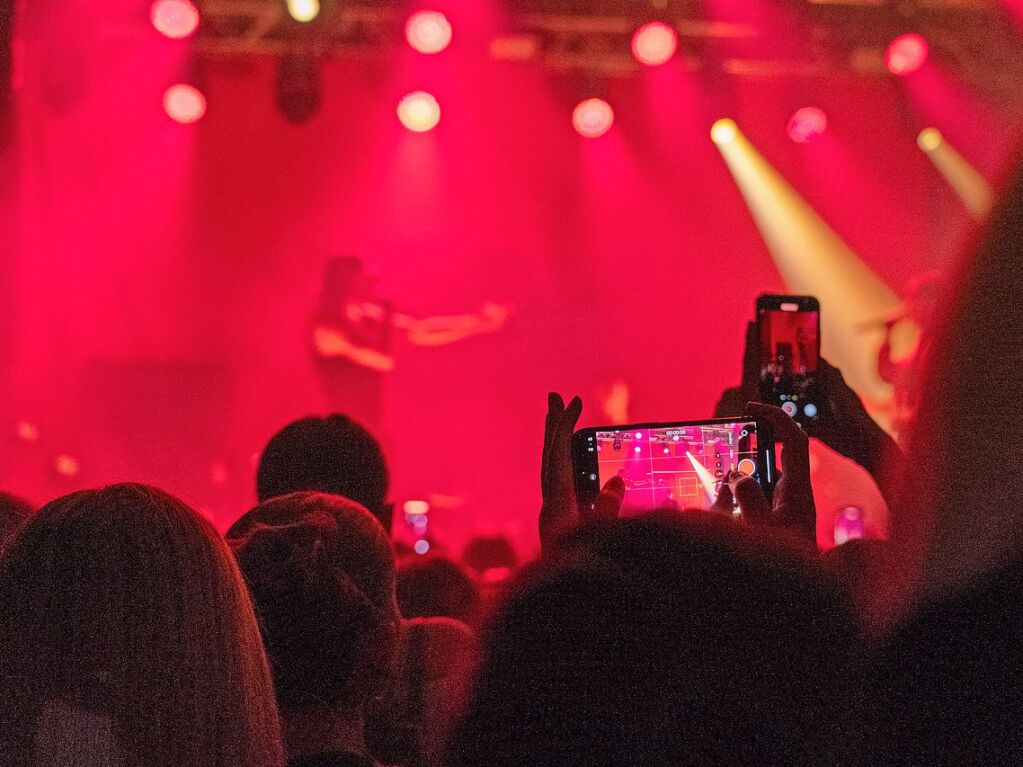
[(789, 333), (677, 465)]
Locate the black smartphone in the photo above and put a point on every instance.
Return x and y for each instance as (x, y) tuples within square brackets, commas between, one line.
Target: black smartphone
[(678, 465), (789, 338)]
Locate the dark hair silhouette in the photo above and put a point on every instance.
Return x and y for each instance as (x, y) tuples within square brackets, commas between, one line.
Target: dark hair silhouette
[(435, 587), (321, 572), (659, 641), (125, 604), (330, 454), (13, 513), (947, 688)]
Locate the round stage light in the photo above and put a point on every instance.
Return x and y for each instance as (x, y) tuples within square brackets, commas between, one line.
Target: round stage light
[(593, 118), (929, 139), (428, 31), (906, 54), (419, 112), (415, 508), (66, 465), (175, 19), (724, 131), (422, 546), (303, 10), (184, 103), (807, 124), (654, 43)]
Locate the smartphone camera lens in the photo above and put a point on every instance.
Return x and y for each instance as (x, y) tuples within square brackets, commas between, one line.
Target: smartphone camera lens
[(810, 410), (593, 477)]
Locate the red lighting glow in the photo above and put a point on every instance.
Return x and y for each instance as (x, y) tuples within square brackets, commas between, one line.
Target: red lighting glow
[(419, 112), (428, 31), (807, 124), (593, 118), (654, 43), (175, 19), (906, 54), (184, 103)]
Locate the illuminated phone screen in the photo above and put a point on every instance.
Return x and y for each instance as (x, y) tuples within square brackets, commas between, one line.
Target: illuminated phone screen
[(675, 467), (789, 357)]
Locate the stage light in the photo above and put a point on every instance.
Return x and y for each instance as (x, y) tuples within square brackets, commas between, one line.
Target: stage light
[(724, 131), (419, 112), (175, 19), (929, 139), (654, 43), (66, 465), (27, 431), (814, 260), (415, 508), (971, 187), (639, 435), (428, 31), (906, 54), (422, 546), (184, 103), (637, 449), (807, 124), (303, 10), (593, 118)]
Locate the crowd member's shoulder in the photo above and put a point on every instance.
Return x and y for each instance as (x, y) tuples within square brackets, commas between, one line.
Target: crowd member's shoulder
[(950, 678)]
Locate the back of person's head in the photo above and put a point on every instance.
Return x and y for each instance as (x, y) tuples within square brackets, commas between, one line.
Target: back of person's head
[(436, 587), (960, 514), (127, 637), (661, 642), (321, 573), (13, 513), (860, 564), (330, 454)]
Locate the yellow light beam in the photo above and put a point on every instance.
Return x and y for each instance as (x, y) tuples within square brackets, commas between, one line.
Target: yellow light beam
[(705, 477), (964, 179), (813, 260)]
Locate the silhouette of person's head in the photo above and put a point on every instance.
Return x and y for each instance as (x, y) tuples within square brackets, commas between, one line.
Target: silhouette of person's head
[(127, 636), (329, 454), (13, 513), (659, 641), (321, 572), (436, 587)]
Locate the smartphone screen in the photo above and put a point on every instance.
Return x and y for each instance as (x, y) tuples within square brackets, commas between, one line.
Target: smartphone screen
[(672, 465), (789, 334)]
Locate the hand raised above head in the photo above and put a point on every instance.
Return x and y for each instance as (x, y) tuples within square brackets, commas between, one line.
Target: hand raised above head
[(560, 511)]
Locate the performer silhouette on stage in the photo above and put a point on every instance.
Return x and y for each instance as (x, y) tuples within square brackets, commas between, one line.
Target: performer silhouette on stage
[(352, 334)]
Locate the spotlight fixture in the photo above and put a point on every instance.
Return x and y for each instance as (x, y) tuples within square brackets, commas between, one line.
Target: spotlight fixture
[(906, 54), (593, 118), (654, 43), (184, 103)]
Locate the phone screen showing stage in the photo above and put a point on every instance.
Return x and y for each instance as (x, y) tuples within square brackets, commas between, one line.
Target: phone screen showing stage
[(672, 467), (789, 353)]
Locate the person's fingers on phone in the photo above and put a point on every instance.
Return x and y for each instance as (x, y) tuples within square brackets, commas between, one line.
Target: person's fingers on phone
[(753, 504), (555, 409), (795, 454), (609, 502)]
